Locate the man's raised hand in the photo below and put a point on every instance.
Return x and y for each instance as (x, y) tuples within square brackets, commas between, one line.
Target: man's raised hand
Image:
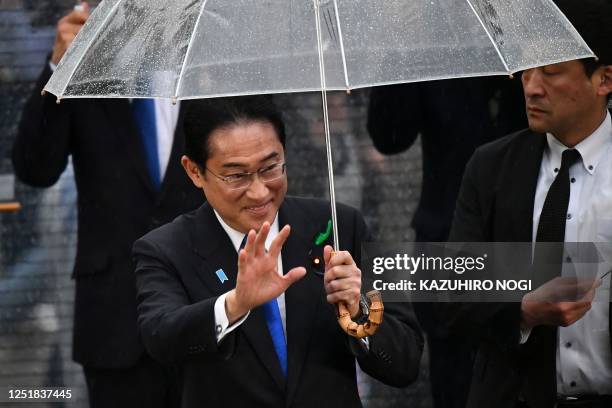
[(67, 29), (258, 279)]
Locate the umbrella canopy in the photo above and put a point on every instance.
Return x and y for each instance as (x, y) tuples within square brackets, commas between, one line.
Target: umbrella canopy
[(185, 49)]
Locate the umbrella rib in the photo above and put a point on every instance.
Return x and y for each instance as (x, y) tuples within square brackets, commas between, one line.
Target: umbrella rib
[(503, 60), (93, 37), (189, 46), (346, 80)]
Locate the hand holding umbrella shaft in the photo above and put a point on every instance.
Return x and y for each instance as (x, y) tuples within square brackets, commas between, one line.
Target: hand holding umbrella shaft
[(258, 279), (342, 279)]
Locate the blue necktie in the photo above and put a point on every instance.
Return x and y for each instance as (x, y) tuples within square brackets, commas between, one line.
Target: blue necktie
[(275, 327), (144, 115)]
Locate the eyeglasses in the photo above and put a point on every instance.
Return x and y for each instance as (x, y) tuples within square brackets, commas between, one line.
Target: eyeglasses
[(240, 181)]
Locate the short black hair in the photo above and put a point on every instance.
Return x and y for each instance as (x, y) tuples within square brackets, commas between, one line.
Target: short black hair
[(204, 116), (593, 20)]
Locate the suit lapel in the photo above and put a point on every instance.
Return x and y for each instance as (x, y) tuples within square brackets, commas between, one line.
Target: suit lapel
[(521, 186), (539, 387), (215, 248), (302, 299), (120, 115)]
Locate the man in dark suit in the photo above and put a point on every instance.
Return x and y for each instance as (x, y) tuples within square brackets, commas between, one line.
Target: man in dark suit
[(224, 291), (453, 117), (551, 183), (118, 201)]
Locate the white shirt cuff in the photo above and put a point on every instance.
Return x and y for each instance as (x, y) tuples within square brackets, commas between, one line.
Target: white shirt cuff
[(524, 335), (52, 66), (222, 327)]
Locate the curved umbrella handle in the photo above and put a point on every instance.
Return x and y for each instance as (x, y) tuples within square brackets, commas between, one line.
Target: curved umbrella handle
[(375, 317)]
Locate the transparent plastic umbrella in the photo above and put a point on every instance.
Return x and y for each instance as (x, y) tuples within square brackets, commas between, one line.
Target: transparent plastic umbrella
[(187, 49)]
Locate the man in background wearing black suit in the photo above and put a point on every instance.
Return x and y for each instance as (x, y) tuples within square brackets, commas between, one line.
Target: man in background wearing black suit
[(453, 117), (224, 293), (550, 183), (126, 187)]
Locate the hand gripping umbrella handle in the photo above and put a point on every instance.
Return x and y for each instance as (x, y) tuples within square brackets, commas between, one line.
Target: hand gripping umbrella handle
[(375, 317)]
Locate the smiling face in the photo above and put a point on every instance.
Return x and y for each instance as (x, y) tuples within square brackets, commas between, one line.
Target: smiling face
[(563, 100), (244, 147)]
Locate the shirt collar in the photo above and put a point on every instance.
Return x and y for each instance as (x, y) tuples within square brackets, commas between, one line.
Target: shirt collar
[(591, 149), (236, 236)]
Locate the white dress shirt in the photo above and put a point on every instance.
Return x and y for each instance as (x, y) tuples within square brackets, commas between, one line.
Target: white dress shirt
[(166, 118), (584, 358), (221, 321)]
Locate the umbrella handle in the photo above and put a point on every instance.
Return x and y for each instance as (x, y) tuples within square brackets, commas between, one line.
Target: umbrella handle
[(375, 317), (12, 207)]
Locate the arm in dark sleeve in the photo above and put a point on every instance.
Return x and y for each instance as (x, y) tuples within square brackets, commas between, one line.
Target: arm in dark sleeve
[(394, 352), (42, 146), (394, 117), (469, 223), (173, 328)]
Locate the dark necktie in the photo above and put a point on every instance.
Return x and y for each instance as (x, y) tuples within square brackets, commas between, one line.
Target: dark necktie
[(539, 354), (551, 227), (144, 115), (275, 327)]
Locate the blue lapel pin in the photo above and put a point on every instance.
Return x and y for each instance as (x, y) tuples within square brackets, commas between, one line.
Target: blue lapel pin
[(221, 275)]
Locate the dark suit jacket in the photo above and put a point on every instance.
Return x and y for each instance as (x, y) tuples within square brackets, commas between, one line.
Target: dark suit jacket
[(177, 289), (452, 117), (496, 205), (116, 205)]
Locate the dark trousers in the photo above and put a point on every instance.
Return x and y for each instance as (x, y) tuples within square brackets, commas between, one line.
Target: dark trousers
[(450, 365), (451, 357), (148, 384), (451, 360)]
